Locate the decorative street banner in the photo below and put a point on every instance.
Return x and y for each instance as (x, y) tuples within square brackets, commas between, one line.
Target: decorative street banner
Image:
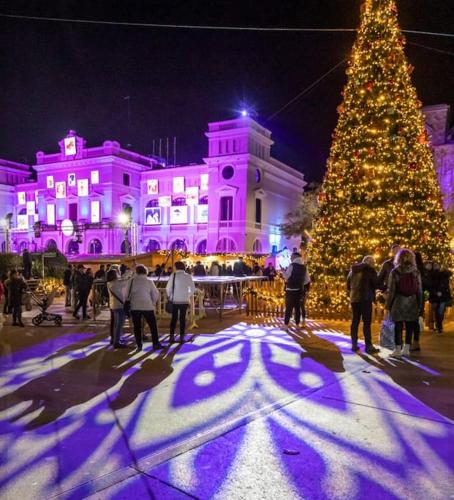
[(21, 198), (94, 175), (179, 215), (95, 211), (60, 189), (50, 181), (178, 185), (192, 195), (30, 208), (153, 216), (51, 214), (70, 146), (152, 186), (165, 201), (202, 214), (22, 222), (71, 179), (204, 182), (82, 187)]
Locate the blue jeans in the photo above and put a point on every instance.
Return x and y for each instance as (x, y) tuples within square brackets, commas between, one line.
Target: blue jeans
[(438, 309), (119, 319)]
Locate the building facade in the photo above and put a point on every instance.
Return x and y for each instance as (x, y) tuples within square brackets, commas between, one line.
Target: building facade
[(110, 201)]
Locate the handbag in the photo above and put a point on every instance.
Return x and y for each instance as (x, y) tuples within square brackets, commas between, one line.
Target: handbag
[(387, 340), (169, 303), (127, 302)]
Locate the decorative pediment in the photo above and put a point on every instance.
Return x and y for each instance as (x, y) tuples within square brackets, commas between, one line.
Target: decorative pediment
[(260, 193), (227, 189)]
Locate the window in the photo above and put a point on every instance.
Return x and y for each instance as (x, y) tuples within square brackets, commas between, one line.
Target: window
[(258, 211), (257, 247), (179, 245), (227, 172), (153, 203), (125, 247), (51, 245), (126, 181), (152, 246), (258, 175), (178, 202), (73, 247), (72, 209), (225, 245), (226, 209), (95, 247), (203, 200), (202, 247)]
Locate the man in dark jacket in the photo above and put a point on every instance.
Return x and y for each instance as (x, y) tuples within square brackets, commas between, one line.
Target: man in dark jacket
[(387, 267), (82, 286), (240, 268), (27, 264), (16, 287), (199, 269), (295, 279), (439, 294), (67, 284), (362, 281)]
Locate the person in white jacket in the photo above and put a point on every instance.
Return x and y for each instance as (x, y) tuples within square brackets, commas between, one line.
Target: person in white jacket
[(117, 289), (143, 295), (179, 289)]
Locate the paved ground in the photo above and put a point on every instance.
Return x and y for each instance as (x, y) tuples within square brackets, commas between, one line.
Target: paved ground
[(241, 411)]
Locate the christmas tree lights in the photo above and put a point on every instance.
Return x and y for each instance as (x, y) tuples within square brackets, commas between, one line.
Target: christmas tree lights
[(380, 186)]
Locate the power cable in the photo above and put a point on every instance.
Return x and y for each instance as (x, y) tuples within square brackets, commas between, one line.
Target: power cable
[(207, 27), (433, 49)]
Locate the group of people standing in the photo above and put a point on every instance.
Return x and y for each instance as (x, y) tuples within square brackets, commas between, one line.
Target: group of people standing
[(405, 282), (137, 296), (78, 282)]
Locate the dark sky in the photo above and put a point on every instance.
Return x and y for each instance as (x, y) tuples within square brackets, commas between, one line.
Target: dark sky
[(58, 76)]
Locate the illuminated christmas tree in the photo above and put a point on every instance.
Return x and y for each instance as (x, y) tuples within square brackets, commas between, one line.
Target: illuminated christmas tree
[(380, 186)]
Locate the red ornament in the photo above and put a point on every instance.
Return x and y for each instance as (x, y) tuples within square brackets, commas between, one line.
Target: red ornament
[(369, 86), (413, 166)]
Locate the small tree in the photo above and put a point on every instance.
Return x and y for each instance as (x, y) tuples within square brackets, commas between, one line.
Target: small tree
[(299, 221)]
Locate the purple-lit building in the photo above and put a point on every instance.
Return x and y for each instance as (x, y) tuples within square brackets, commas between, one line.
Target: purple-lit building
[(107, 200), (442, 140)]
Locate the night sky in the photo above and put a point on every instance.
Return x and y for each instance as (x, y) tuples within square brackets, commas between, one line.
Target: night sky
[(60, 76)]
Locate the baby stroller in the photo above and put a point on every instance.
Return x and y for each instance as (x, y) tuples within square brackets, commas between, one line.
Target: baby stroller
[(44, 302)]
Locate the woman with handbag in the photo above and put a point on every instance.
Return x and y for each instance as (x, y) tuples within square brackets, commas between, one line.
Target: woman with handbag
[(117, 296), (143, 296), (179, 289)]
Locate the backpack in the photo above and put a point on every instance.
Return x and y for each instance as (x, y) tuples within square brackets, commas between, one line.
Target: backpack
[(407, 284)]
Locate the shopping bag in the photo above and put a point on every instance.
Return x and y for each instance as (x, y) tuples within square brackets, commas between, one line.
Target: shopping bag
[(387, 334)]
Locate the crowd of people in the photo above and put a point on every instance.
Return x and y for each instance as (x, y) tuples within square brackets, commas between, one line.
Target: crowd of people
[(406, 283)]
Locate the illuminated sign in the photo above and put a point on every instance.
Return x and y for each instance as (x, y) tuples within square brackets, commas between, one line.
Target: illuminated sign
[(71, 179), (192, 195), (70, 146), (22, 222), (153, 216), (67, 227), (21, 198), (179, 215), (202, 214), (31, 208), (94, 175), (60, 189), (152, 186), (204, 182), (51, 214), (178, 185), (165, 201), (82, 187), (95, 211), (50, 181)]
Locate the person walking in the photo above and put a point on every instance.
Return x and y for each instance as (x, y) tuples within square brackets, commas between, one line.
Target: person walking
[(362, 281), (404, 300), (387, 267), (179, 289), (143, 295), (16, 287), (67, 283), (27, 264), (117, 290), (295, 277), (82, 285), (6, 305), (439, 295)]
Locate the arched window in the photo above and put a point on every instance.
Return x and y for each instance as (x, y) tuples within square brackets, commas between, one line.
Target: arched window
[(153, 203), (202, 247), (179, 245), (203, 200), (51, 245), (125, 245), (73, 248), (23, 245), (22, 211), (226, 245), (178, 202), (95, 247), (257, 247), (152, 246)]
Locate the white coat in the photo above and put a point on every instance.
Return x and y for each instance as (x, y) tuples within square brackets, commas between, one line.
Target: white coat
[(184, 287)]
